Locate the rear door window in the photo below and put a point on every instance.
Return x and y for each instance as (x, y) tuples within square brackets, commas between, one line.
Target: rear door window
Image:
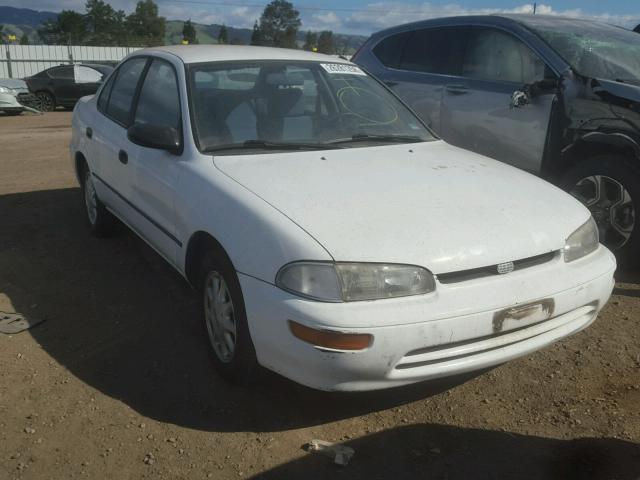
[(389, 50), (103, 99), (124, 89), (62, 73), (435, 50), (498, 56)]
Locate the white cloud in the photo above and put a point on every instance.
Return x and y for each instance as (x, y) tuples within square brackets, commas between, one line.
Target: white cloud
[(322, 21)]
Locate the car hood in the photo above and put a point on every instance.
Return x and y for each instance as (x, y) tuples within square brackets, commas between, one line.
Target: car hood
[(618, 90), (429, 204), (18, 86)]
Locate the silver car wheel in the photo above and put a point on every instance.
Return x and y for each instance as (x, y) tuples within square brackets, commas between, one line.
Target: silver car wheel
[(90, 198), (219, 316), (611, 206)]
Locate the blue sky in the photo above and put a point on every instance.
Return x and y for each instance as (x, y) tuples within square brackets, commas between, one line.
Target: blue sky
[(364, 16)]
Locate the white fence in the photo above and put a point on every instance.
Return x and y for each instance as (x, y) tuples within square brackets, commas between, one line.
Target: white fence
[(19, 61)]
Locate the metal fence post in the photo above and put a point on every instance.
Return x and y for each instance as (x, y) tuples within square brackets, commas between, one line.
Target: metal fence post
[(9, 72)]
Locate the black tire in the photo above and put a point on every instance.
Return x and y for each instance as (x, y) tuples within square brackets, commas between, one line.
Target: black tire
[(46, 102), (101, 223), (625, 172), (241, 367)]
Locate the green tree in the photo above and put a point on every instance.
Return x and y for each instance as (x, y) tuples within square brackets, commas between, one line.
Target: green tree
[(24, 39), (325, 43), (145, 26), (310, 41), (279, 24), (69, 28), (256, 35), (189, 33), (106, 26), (223, 35)]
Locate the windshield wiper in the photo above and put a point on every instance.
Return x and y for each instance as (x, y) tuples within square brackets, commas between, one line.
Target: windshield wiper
[(266, 145), (366, 137)]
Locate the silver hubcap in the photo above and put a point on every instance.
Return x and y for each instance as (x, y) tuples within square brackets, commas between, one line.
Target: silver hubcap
[(611, 206), (90, 198), (220, 317)]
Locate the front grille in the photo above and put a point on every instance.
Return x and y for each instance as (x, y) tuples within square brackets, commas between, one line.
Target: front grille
[(474, 273)]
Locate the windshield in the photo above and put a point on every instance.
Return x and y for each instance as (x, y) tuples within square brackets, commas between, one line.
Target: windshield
[(279, 104), (593, 49)]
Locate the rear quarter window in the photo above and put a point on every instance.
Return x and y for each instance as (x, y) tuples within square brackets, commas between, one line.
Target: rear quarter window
[(389, 50)]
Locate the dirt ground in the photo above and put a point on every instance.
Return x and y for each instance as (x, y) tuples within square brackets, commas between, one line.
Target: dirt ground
[(116, 382)]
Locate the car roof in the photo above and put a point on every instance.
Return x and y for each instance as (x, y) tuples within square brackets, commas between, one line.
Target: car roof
[(97, 66), (505, 20), (221, 53)]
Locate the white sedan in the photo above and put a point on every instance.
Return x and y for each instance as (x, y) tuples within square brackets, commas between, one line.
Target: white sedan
[(331, 236)]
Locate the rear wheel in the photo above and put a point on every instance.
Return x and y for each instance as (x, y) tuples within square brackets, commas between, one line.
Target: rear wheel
[(46, 102), (225, 321), (101, 222), (609, 186)]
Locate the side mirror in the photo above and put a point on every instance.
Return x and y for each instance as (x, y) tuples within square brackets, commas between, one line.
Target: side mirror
[(155, 136), (546, 85)]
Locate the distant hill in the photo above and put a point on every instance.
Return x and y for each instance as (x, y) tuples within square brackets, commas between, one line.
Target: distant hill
[(24, 16), (19, 21)]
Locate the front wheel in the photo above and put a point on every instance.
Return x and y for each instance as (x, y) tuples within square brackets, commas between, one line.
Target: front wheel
[(225, 320), (609, 186)]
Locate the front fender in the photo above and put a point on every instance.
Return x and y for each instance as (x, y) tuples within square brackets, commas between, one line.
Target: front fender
[(257, 237)]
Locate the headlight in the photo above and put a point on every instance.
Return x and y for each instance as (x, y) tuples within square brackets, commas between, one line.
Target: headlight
[(4, 90), (350, 282), (582, 242)]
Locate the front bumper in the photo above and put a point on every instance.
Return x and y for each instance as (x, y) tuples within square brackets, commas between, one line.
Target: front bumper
[(448, 332), (12, 102)]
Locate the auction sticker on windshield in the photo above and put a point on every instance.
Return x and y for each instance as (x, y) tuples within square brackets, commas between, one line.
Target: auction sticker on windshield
[(342, 68)]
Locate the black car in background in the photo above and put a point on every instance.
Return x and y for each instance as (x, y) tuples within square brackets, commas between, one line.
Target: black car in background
[(558, 97), (64, 85)]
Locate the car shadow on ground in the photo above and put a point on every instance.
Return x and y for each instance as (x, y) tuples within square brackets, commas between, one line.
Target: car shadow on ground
[(124, 322), (449, 452)]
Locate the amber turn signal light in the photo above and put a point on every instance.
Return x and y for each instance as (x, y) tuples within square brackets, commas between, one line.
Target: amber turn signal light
[(330, 338)]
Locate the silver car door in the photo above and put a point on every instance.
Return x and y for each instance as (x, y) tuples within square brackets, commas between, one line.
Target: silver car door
[(476, 107)]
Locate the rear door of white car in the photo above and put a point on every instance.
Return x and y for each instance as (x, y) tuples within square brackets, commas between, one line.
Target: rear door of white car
[(113, 174)]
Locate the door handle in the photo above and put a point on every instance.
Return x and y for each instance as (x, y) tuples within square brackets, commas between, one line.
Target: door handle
[(89, 132), (457, 89), (123, 157)]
